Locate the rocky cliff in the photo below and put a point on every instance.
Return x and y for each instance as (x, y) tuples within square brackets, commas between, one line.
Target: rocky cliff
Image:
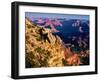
[(41, 53)]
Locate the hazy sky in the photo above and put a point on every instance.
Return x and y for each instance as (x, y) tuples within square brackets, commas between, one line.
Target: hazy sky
[(54, 15)]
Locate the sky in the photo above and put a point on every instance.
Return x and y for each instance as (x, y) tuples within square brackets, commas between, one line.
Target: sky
[(54, 15)]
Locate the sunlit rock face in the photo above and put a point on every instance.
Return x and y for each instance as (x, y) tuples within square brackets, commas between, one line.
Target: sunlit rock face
[(40, 53)]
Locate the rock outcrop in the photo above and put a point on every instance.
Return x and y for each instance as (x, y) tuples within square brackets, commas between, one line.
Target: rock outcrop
[(41, 53)]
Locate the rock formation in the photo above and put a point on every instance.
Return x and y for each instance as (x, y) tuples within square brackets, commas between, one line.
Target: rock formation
[(40, 53)]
